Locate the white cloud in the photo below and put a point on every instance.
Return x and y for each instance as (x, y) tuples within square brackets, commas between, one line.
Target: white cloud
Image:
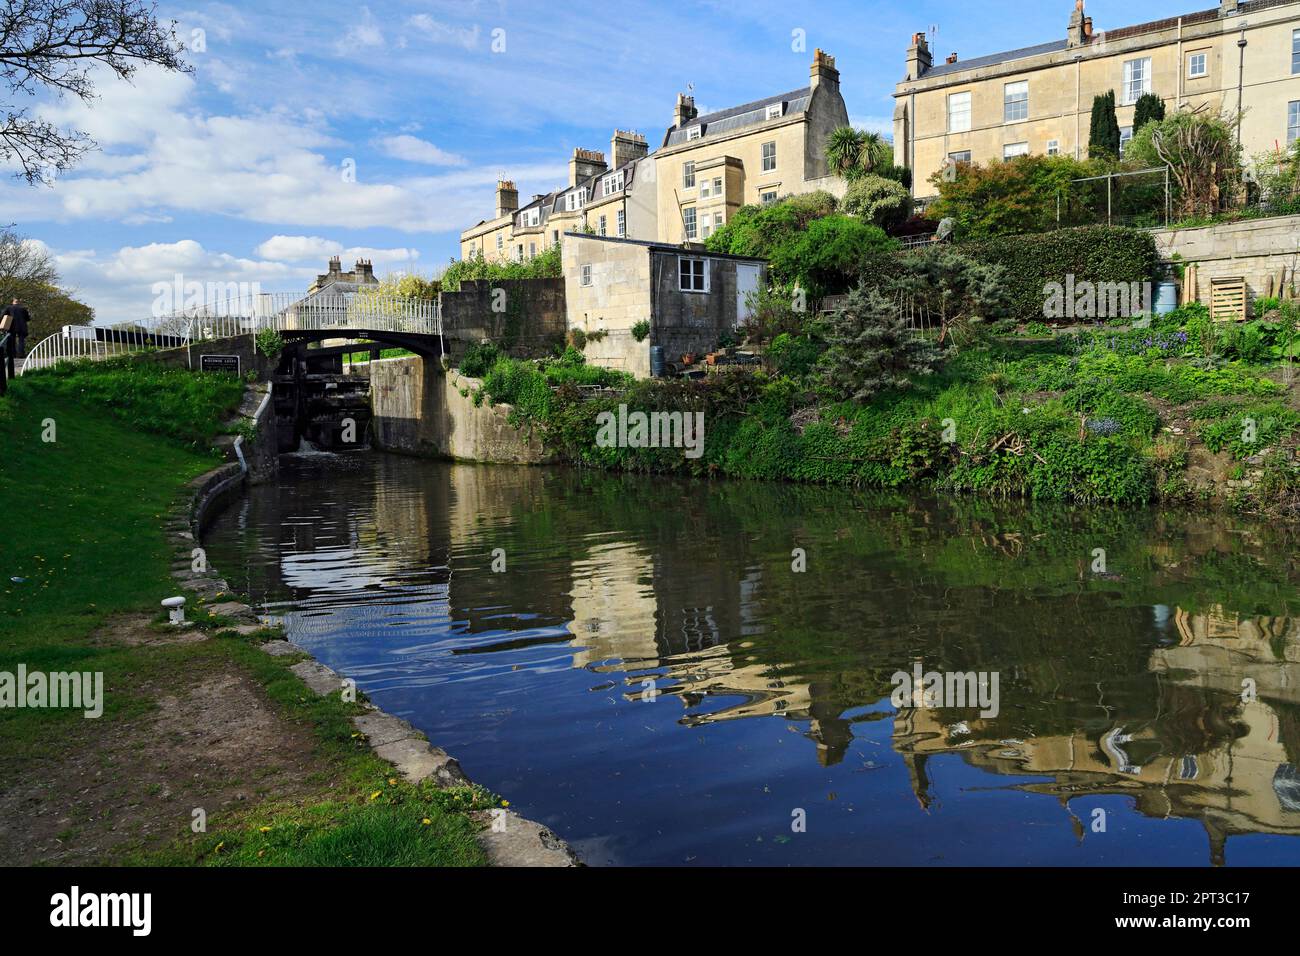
[(298, 248), (412, 149), (165, 158), (318, 250), (365, 34), (435, 31)]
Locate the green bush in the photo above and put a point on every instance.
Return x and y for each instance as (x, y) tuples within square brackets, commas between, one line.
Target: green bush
[(794, 355), (824, 258), (1091, 253), (269, 342), (641, 330), (1005, 197), (882, 202), (478, 359), (545, 265)]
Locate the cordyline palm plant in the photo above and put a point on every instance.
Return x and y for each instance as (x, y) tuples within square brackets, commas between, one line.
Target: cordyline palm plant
[(854, 152)]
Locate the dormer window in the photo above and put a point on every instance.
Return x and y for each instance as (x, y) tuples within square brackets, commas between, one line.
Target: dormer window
[(774, 111), (575, 199), (695, 132), (612, 183)]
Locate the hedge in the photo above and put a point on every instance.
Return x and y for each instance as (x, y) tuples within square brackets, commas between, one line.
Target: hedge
[(1090, 253)]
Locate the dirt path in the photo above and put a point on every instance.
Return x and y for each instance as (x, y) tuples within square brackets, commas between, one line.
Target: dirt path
[(210, 740)]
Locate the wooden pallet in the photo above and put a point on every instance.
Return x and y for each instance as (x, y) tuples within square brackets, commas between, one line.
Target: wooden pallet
[(1228, 299)]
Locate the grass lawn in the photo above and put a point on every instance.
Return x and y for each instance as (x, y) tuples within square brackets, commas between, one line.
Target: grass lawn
[(92, 460)]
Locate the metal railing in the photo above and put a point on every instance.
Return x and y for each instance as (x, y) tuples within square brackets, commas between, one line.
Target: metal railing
[(244, 315)]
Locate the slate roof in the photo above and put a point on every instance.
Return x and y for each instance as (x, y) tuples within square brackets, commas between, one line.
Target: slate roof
[(992, 59), (738, 117)]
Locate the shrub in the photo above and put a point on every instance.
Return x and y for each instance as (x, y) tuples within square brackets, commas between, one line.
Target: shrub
[(761, 231), (882, 202), (269, 342), (872, 348), (1091, 253), (545, 265), (641, 330), (185, 406), (824, 258), (478, 359), (1006, 197), (794, 355), (1149, 107), (1202, 154), (1103, 133)]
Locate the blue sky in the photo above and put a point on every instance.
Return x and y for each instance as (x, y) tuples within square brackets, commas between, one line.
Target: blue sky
[(237, 171)]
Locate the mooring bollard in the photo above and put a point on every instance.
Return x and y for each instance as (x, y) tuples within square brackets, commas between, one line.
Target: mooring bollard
[(176, 608)]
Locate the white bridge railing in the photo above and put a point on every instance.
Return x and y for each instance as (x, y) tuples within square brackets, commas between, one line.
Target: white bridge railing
[(345, 313)]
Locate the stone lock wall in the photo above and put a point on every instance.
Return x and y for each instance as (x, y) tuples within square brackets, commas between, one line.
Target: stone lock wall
[(419, 410)]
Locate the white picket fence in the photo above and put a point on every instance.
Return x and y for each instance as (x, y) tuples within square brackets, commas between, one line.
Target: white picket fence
[(348, 314)]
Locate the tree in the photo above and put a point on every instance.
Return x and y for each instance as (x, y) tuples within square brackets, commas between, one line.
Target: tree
[(1103, 135), (56, 45), (761, 230), (853, 153), (1149, 107), (825, 258), (28, 273), (873, 348), (941, 288), (882, 202), (1202, 154)]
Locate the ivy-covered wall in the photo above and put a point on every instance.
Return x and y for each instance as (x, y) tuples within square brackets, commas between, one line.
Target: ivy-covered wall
[(525, 318)]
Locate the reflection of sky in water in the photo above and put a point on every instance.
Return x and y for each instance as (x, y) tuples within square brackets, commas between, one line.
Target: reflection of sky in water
[(650, 679)]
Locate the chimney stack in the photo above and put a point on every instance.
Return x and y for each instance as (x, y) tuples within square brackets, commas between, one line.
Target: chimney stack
[(585, 164), (626, 146), (918, 57), (1229, 8), (823, 72), (685, 111), (1080, 31), (507, 198), (336, 266), (952, 58)]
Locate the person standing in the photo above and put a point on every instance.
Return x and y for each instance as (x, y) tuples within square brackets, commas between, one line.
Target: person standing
[(18, 320)]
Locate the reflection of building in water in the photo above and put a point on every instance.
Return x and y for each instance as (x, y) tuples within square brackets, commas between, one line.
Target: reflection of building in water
[(628, 619), (1210, 756)]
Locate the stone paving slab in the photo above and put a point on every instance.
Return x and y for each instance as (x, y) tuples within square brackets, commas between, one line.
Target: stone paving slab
[(318, 677), (524, 843), (276, 648)]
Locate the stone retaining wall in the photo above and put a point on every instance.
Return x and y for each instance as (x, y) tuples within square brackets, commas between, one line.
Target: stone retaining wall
[(419, 410), (1263, 251)]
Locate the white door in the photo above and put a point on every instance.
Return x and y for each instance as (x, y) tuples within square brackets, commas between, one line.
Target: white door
[(746, 282)]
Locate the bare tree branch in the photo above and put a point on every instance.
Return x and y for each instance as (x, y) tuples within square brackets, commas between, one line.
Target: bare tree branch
[(56, 45)]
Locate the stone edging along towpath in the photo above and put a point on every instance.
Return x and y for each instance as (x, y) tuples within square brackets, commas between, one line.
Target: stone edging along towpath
[(522, 842)]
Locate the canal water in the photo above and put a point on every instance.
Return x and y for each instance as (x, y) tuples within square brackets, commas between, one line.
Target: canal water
[(668, 672)]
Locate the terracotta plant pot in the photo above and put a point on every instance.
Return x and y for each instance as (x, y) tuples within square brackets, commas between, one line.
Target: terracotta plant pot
[(711, 358), (688, 358)]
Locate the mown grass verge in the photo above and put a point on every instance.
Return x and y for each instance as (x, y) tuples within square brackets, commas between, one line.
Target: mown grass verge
[(95, 457)]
